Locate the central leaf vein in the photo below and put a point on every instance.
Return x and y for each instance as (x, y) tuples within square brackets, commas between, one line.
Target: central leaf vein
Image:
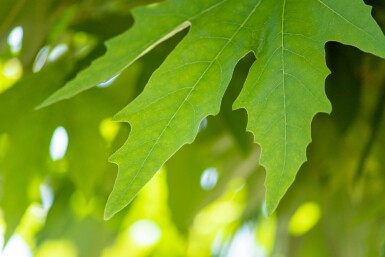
[(283, 88), (186, 99)]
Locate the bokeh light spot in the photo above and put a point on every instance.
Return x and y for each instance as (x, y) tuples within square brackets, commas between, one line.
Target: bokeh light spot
[(15, 39), (209, 178), (57, 52), (305, 218), (59, 144), (40, 59), (145, 233), (57, 248), (17, 247), (47, 197), (109, 129)]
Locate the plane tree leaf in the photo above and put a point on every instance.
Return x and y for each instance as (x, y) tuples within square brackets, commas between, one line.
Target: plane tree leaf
[(282, 93), (154, 24), (285, 87)]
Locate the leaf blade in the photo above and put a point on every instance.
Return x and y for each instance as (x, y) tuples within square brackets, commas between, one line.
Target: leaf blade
[(179, 117), (164, 23), (300, 65)]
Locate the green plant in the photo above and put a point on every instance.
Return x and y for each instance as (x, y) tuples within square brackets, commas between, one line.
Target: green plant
[(280, 45), (281, 95)]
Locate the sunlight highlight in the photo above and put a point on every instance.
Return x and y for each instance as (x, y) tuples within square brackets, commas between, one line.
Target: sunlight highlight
[(145, 232), (15, 39), (10, 72), (245, 244), (1, 237), (13, 69), (209, 179), (57, 52), (59, 144), (108, 82), (47, 197), (203, 125), (16, 247), (109, 129), (57, 248), (41, 59), (305, 218), (266, 232)]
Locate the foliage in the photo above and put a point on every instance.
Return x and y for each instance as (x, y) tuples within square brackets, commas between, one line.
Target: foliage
[(183, 65)]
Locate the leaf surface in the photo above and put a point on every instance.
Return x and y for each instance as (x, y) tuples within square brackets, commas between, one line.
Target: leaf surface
[(285, 88), (282, 93)]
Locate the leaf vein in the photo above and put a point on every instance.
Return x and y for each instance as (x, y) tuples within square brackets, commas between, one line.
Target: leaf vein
[(188, 95), (345, 19)]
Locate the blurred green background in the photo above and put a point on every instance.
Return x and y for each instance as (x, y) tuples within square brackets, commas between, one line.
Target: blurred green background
[(208, 199)]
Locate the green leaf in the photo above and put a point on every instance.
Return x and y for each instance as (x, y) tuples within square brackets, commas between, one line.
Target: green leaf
[(22, 163), (180, 101), (154, 24), (285, 87), (282, 93)]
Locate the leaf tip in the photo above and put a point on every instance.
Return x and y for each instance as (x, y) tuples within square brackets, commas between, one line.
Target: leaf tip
[(112, 207), (44, 104), (108, 213), (274, 194), (269, 207), (54, 98)]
